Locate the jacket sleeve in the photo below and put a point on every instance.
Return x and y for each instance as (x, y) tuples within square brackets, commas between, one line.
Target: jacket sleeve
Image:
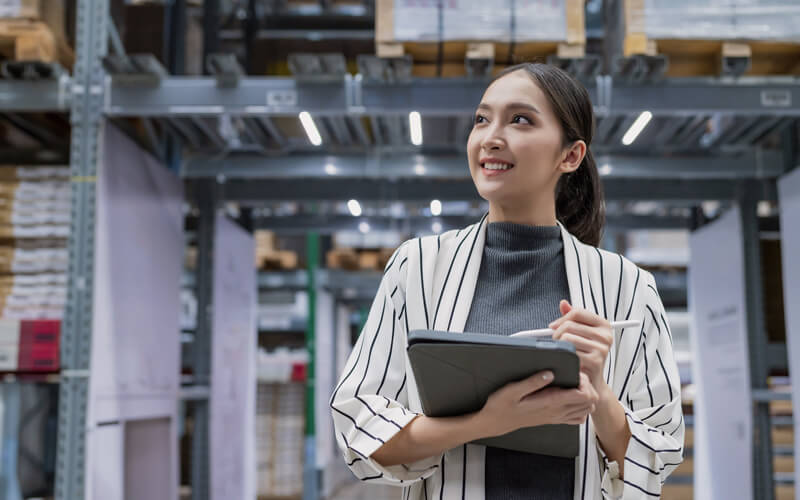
[(369, 404), (650, 394)]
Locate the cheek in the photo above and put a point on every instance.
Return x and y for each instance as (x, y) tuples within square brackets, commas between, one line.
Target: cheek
[(473, 148)]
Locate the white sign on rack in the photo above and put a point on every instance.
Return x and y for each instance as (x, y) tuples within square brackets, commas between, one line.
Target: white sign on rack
[(233, 361), (789, 196), (723, 426)]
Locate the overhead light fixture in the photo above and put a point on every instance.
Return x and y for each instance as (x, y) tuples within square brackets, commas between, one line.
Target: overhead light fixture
[(419, 169), (363, 227), (436, 227), (415, 128), (436, 208), (310, 128), (355, 207), (637, 127), (605, 169), (330, 169)]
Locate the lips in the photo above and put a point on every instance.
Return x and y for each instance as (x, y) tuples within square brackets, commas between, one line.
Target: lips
[(494, 167)]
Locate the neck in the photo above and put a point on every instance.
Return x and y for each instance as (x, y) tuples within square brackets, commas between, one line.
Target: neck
[(544, 215)]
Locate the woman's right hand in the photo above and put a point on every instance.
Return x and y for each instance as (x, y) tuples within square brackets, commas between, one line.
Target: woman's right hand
[(530, 402)]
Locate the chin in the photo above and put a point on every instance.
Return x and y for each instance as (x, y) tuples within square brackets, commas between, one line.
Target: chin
[(491, 194)]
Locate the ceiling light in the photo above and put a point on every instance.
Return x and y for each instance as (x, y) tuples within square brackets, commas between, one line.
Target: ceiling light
[(415, 128), (637, 127), (311, 129), (436, 208), (355, 207)]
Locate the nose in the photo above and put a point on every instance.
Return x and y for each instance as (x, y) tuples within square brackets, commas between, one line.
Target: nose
[(493, 140)]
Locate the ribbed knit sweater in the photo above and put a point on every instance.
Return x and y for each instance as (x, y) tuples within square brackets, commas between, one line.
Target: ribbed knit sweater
[(521, 281)]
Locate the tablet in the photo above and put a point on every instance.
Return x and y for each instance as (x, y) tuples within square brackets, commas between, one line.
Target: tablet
[(457, 372)]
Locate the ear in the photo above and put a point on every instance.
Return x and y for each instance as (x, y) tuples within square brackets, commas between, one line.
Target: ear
[(572, 157)]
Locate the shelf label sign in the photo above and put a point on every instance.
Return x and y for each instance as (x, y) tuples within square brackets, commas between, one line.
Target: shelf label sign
[(282, 98), (776, 98)]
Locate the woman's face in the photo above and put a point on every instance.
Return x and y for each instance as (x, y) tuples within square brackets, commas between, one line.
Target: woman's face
[(515, 147)]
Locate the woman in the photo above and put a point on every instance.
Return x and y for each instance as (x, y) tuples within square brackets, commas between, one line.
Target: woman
[(529, 157)]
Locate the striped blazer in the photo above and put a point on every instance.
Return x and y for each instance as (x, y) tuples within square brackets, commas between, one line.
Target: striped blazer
[(429, 284)]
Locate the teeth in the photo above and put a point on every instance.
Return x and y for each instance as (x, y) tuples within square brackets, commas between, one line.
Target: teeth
[(496, 166)]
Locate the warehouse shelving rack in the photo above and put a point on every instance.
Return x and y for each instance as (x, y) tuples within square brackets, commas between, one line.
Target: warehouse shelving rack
[(745, 174)]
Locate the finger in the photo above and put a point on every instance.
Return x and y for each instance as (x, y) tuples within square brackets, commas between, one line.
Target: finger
[(581, 315), (593, 333), (576, 418), (564, 306), (579, 413), (531, 384), (582, 344)]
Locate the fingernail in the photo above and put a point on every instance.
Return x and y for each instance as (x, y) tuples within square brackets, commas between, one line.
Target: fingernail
[(547, 376)]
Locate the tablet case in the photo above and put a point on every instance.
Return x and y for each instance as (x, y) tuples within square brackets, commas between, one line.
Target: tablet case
[(457, 372)]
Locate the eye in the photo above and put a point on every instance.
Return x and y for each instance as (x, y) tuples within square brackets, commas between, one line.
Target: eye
[(479, 119), (518, 117)]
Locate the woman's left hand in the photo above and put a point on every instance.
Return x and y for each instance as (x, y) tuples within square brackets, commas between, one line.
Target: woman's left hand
[(592, 336)]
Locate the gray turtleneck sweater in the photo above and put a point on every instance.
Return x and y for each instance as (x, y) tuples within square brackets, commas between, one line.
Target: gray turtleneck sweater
[(521, 281)]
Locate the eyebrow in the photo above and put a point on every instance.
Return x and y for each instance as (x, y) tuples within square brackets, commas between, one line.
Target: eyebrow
[(513, 105)]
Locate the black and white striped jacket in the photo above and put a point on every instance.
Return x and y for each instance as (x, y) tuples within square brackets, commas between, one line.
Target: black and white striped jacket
[(429, 284)]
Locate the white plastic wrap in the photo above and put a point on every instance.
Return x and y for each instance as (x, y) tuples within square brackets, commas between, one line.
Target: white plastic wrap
[(416, 20), (719, 19), (475, 20), (540, 20)]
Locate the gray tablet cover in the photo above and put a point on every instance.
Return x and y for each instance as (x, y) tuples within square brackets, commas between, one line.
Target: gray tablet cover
[(456, 373)]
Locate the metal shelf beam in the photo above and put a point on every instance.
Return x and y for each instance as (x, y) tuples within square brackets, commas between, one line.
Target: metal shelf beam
[(201, 96), (760, 164), (329, 224), (36, 96), (420, 189), (262, 96)]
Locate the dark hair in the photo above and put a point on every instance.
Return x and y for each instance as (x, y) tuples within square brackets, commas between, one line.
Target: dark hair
[(580, 206)]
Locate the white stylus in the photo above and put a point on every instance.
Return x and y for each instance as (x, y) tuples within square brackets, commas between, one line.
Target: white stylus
[(547, 332)]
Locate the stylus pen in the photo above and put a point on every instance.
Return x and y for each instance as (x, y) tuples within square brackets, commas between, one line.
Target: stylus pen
[(547, 332)]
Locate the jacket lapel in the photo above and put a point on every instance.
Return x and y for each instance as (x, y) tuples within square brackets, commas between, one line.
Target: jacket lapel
[(575, 263), (460, 288)]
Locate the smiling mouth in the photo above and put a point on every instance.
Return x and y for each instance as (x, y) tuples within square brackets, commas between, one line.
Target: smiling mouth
[(497, 167)]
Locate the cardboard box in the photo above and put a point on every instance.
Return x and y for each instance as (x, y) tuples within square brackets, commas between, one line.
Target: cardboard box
[(342, 258)]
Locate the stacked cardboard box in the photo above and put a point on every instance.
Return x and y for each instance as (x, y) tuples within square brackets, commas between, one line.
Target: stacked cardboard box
[(36, 30), (34, 226), (280, 439), (268, 257), (363, 259), (29, 345)]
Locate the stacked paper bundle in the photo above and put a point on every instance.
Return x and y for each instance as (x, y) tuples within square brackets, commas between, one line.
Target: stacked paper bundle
[(716, 19), (279, 439), (34, 227), (418, 20)]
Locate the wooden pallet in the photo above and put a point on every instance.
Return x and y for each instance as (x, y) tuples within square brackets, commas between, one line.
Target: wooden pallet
[(27, 40), (277, 260), (352, 259), (457, 58)]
